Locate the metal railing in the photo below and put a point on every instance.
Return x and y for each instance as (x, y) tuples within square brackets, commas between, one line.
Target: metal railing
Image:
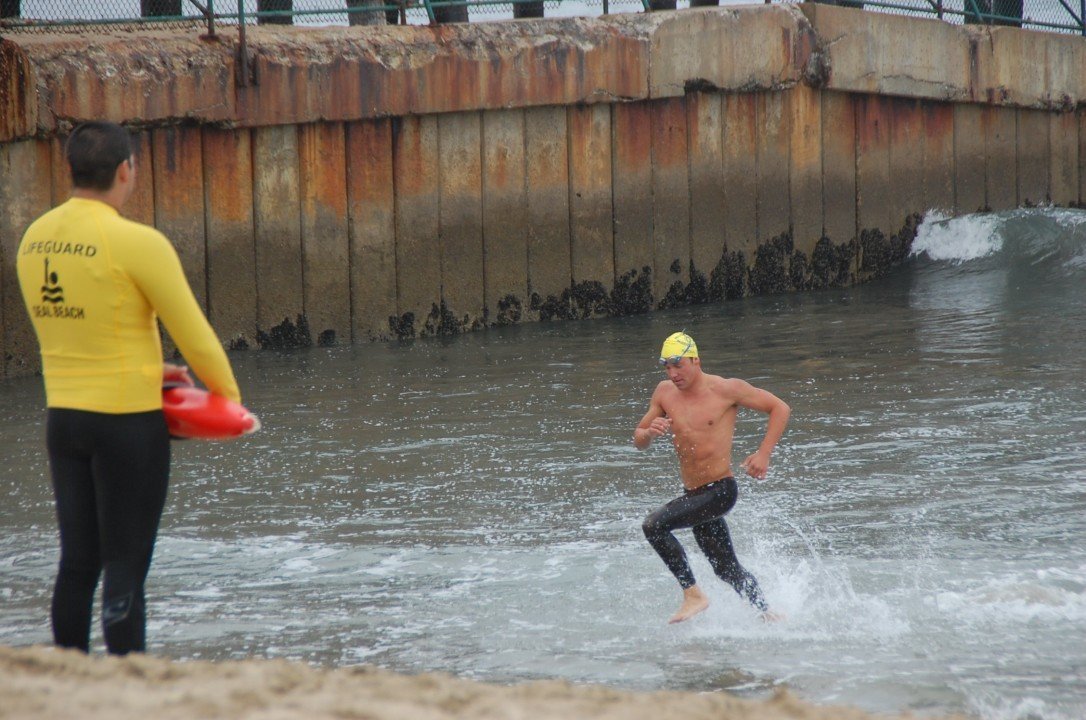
[(84, 15), (1052, 15)]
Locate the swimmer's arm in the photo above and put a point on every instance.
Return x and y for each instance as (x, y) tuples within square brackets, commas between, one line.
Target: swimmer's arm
[(653, 425), (158, 273), (748, 396)]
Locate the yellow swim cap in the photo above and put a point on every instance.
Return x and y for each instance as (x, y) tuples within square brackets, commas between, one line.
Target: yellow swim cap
[(678, 345)]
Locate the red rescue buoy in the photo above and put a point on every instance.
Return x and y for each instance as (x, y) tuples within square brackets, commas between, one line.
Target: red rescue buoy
[(195, 413)]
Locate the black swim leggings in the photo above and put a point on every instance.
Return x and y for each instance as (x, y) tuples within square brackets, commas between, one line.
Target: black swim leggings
[(703, 509), (110, 474)]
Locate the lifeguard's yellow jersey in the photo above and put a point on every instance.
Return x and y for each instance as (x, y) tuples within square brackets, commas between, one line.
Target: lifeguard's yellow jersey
[(94, 284)]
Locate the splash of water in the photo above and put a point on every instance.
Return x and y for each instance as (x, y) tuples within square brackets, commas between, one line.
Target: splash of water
[(1049, 238), (958, 239)]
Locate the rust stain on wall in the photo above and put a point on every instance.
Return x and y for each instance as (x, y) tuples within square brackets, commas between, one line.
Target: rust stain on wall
[(414, 177), (938, 151), (371, 227), (321, 147), (132, 78), (228, 180), (16, 86), (179, 198), (632, 127), (141, 206), (62, 174)]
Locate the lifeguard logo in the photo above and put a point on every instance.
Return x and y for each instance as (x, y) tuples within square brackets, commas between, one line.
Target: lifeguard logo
[(51, 291), (52, 298)]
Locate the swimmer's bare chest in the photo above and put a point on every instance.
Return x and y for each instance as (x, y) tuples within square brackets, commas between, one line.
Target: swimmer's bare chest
[(702, 434)]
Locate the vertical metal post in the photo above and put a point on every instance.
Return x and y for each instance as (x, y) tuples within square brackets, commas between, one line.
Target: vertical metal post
[(1082, 16), (243, 50), (208, 12), (607, 9), (976, 12)]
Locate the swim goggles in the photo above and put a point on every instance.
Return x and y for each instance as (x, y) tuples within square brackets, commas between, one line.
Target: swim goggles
[(674, 360)]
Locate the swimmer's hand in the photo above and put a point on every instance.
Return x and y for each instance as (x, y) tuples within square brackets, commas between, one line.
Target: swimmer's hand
[(643, 436), (176, 375), (756, 465), (659, 427)]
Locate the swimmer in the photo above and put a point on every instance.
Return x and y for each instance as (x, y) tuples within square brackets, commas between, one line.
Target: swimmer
[(699, 410), (107, 281)]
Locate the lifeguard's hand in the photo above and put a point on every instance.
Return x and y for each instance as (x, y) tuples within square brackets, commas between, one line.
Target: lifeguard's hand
[(176, 374), (756, 465)]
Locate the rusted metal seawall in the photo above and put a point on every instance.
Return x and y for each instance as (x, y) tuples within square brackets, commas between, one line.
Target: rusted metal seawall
[(372, 182)]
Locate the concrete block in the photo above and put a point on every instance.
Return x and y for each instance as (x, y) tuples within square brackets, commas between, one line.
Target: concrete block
[(461, 189), (1028, 69), (550, 269), (231, 244), (708, 222), (276, 212), (149, 75), (999, 125), (325, 250), (179, 201), (371, 222), (839, 167), (774, 201), (354, 73), (805, 167), (938, 151), (741, 172), (303, 77), (869, 52), (969, 159), (1034, 156), (670, 200), (505, 216), (1064, 158), (906, 163), (320, 74), (738, 48), (25, 194), (418, 246), (592, 238)]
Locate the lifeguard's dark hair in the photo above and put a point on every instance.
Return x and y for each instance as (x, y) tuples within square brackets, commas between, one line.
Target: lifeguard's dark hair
[(94, 151)]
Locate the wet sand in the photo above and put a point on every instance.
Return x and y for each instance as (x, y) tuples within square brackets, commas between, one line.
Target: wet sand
[(44, 683)]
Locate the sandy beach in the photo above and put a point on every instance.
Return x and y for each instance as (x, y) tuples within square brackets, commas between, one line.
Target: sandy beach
[(42, 683)]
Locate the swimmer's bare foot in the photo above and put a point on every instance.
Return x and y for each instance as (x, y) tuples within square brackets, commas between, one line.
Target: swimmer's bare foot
[(694, 601), (771, 617)]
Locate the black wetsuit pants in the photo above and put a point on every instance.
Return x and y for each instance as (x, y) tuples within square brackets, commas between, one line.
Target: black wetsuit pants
[(703, 509), (110, 475)]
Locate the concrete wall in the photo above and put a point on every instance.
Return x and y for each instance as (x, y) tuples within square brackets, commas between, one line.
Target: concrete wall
[(365, 183)]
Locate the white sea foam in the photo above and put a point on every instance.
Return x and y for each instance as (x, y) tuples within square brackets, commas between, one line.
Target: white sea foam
[(1050, 595), (1027, 708), (958, 239)]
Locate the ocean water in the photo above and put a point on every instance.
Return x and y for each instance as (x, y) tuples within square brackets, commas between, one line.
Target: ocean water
[(473, 504)]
